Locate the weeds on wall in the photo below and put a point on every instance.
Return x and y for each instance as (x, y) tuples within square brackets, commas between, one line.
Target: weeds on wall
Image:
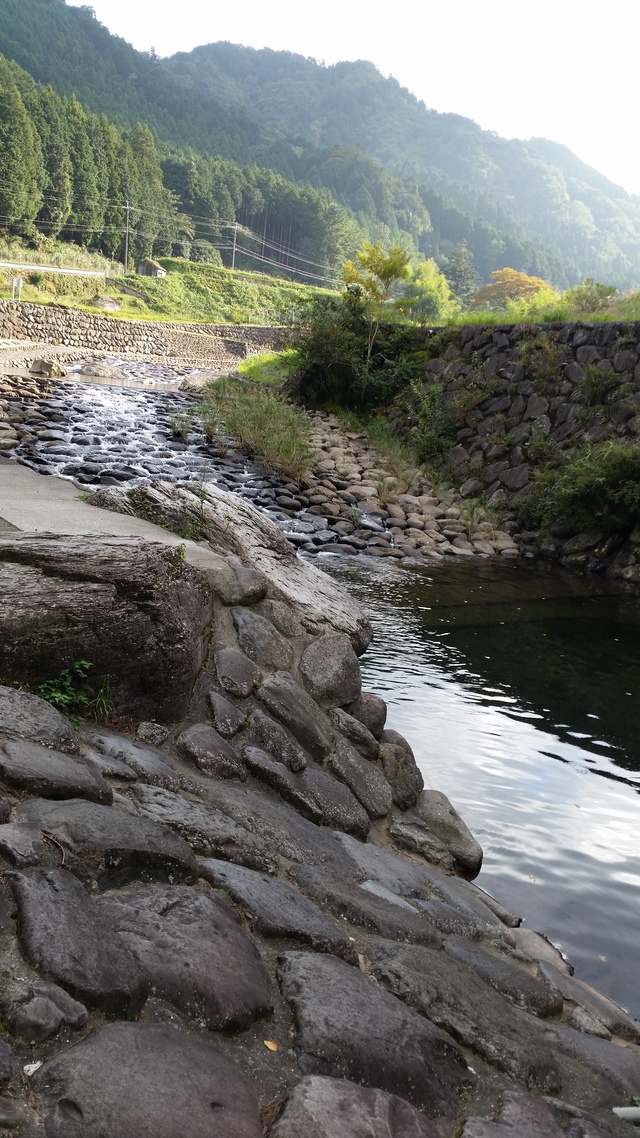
[(593, 486)]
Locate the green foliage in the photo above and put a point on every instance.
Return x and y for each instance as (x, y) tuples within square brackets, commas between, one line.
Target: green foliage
[(272, 430), (597, 383), (427, 298), (270, 367), (591, 486), (590, 297), (63, 692), (542, 359), (461, 273)]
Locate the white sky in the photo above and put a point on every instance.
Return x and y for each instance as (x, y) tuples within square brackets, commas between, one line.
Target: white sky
[(567, 70)]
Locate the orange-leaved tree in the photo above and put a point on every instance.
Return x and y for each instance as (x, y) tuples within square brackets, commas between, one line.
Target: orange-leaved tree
[(508, 286)]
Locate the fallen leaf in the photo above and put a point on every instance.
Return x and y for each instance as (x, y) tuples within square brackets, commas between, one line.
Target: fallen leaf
[(531, 877), (271, 1044), (603, 958)]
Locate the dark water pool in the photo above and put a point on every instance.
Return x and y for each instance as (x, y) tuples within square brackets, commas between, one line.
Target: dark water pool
[(519, 692)]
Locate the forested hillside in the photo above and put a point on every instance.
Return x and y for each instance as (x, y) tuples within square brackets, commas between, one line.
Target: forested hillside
[(309, 160)]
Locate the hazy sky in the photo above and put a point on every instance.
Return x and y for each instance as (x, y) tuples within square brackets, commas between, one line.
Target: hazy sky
[(563, 69)]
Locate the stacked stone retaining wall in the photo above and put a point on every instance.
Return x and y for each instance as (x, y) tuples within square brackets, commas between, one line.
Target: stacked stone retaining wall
[(510, 397), (215, 345)]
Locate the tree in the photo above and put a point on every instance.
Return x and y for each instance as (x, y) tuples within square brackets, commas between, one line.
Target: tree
[(369, 279), (427, 296), (590, 296), (508, 286), (20, 163), (461, 273)]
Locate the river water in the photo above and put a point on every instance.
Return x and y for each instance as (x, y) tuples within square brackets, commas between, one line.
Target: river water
[(518, 688)]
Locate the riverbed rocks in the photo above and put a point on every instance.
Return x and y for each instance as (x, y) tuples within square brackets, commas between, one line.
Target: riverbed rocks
[(435, 810), (319, 1107), (50, 773)]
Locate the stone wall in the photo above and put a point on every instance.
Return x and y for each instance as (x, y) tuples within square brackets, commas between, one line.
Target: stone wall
[(507, 398), (211, 344)]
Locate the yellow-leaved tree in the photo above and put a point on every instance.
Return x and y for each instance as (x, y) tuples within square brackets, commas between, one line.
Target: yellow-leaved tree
[(370, 277), (508, 286)]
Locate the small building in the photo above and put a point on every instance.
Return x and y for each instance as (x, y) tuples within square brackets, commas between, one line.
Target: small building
[(149, 268)]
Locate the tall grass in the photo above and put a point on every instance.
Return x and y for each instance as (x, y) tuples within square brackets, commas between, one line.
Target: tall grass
[(274, 431), (270, 367)]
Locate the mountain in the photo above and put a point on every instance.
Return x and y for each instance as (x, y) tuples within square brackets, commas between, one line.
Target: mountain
[(398, 170)]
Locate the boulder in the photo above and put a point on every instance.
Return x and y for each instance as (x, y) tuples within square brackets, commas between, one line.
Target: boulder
[(261, 641), (533, 993), (521, 1116), (339, 806), (356, 732), (457, 1000), (227, 718), (63, 934), (53, 774), (400, 769), (370, 710), (210, 752), (331, 670), (283, 780), (21, 843), (27, 716), (112, 843), (275, 909), (233, 526), (237, 674), (292, 706), (348, 1028), (359, 906), (364, 778), (321, 1108), (183, 1087), (411, 833), (192, 952), (265, 732), (34, 1010), (434, 808), (149, 764), (98, 598), (207, 831)]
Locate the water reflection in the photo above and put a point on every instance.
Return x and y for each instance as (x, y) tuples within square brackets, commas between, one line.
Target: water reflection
[(518, 689)]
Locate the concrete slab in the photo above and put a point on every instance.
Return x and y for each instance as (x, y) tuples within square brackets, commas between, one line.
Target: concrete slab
[(35, 503)]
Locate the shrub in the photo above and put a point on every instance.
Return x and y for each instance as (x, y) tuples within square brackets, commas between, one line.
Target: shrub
[(593, 486)]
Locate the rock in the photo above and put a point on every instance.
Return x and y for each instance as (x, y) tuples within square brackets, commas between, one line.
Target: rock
[(108, 767), (237, 673), (28, 716), (210, 752), (192, 952), (364, 778), (6, 1061), (356, 732), (410, 833), (227, 718), (53, 774), (452, 920), (614, 1018), (618, 1066), (149, 764), (292, 706), (97, 598), (153, 733), (207, 831), (101, 370), (261, 642), (540, 949), (370, 710), (283, 780), (339, 806), (458, 1001), (331, 670), (400, 769), (34, 1010), (111, 842), (434, 808), (275, 909), (21, 843), (275, 739), (348, 1028), (323, 1108), (183, 1087), (50, 369), (11, 1116), (521, 1117), (64, 935), (281, 828), (534, 994), (232, 525), (351, 903), (6, 807)]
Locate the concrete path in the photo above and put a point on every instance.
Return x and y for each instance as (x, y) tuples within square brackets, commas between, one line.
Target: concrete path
[(35, 503)]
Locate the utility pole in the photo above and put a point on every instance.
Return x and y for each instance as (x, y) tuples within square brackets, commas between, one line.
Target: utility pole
[(127, 208), (235, 241)]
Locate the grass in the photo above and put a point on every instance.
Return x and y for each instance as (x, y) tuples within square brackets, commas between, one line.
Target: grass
[(274, 431), (270, 367)]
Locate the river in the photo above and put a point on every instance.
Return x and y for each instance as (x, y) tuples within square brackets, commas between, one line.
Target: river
[(518, 689)]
